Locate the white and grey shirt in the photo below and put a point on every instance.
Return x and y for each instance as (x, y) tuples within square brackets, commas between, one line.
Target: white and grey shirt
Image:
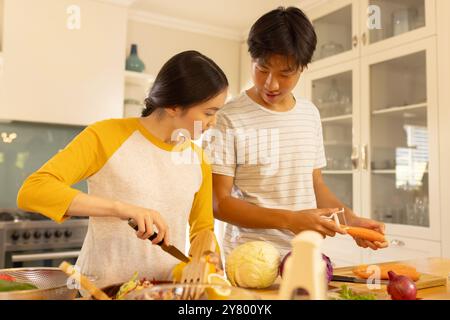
[(271, 156)]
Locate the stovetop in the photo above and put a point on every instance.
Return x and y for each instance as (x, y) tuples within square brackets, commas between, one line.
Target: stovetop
[(15, 215), (20, 230)]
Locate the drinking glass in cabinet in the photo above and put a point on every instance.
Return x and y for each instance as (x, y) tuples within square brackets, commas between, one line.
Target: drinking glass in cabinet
[(417, 212), (334, 33), (398, 17), (400, 157), (333, 95)]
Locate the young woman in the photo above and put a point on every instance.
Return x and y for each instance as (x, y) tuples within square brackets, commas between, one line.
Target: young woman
[(133, 171)]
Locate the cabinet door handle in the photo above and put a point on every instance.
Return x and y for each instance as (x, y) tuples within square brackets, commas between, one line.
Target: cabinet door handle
[(355, 157), (355, 41), (397, 243), (364, 157), (364, 38)]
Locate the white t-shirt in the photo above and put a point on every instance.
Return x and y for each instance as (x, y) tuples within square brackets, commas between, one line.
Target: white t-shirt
[(271, 156)]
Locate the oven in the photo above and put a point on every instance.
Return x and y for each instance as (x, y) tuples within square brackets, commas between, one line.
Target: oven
[(40, 242)]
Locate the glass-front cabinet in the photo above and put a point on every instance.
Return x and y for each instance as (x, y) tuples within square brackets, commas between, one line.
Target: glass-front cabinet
[(388, 23), (334, 91), (347, 29), (375, 85), (337, 28), (400, 142)]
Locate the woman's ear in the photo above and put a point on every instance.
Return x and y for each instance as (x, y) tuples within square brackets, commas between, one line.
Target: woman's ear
[(173, 111)]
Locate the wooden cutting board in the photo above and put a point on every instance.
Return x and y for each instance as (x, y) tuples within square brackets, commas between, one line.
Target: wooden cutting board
[(425, 281)]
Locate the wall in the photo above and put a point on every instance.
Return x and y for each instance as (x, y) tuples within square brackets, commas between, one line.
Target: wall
[(1, 25), (157, 44), (57, 74), (246, 65)]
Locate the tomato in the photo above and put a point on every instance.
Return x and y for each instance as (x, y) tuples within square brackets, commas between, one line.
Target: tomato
[(6, 277)]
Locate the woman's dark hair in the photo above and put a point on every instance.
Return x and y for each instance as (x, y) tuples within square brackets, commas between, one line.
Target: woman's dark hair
[(187, 79), (284, 31)]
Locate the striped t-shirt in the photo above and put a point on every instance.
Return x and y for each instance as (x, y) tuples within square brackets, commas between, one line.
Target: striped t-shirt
[(271, 156)]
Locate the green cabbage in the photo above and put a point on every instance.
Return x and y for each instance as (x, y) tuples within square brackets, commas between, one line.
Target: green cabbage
[(253, 265)]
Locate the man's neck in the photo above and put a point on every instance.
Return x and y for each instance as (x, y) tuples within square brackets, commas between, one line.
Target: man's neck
[(283, 106)]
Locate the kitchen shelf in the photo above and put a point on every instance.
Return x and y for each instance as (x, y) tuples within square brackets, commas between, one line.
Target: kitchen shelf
[(337, 172), (338, 118), (399, 109), (138, 78), (340, 143), (387, 171), (384, 171)]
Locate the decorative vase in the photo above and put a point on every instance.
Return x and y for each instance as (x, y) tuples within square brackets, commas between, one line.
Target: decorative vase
[(133, 62)]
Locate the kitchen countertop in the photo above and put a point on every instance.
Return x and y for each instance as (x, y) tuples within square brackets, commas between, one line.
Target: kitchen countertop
[(436, 266)]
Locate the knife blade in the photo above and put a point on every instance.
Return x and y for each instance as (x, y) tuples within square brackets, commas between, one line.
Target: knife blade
[(358, 280), (172, 250)]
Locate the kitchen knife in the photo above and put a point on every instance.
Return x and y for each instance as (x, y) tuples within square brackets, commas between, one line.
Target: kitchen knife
[(172, 250), (358, 280)]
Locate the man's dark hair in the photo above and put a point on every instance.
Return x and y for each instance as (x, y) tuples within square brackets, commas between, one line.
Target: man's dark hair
[(284, 31), (187, 79)]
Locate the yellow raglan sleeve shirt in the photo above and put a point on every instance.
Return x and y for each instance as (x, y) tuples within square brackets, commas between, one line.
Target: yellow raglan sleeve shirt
[(202, 216), (48, 191)]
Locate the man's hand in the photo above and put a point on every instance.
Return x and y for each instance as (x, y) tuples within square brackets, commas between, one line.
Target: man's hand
[(314, 219), (368, 224)]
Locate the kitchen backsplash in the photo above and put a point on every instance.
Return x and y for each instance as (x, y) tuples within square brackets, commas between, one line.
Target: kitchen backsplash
[(24, 148)]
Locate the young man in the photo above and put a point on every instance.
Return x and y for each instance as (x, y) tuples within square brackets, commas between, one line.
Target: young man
[(267, 180)]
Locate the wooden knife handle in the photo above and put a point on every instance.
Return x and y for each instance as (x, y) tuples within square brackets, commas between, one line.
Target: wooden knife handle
[(133, 224)]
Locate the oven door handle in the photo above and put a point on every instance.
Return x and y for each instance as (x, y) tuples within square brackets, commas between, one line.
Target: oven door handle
[(44, 256)]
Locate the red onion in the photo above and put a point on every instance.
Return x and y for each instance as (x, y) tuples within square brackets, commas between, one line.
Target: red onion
[(401, 287)]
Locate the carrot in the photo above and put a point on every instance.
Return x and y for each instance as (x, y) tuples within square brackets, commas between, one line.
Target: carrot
[(364, 233), (400, 269)]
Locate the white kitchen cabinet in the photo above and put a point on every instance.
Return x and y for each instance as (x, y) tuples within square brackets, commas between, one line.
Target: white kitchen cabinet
[(402, 248), (400, 114), (64, 61), (402, 22), (342, 251), (392, 133), (335, 92), (443, 61), (347, 29), (337, 28), (137, 86)]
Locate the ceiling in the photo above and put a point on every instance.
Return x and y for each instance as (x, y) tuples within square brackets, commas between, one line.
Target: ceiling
[(234, 15)]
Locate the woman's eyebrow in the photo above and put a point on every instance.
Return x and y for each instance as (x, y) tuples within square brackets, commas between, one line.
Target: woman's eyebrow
[(214, 108)]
